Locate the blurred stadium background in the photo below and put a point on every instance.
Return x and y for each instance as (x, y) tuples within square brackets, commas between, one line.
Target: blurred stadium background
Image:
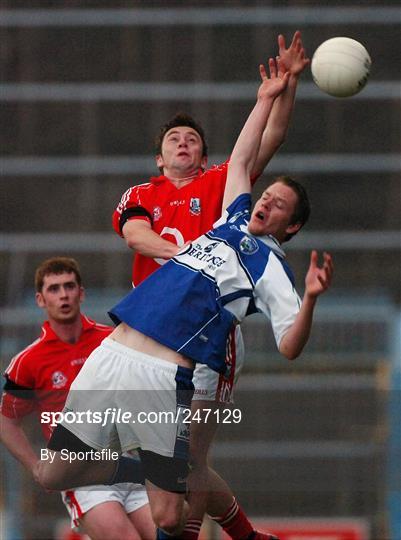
[(84, 88)]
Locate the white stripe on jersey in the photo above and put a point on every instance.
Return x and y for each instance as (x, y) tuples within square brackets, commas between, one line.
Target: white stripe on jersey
[(98, 326), (21, 355), (145, 186), (126, 196)]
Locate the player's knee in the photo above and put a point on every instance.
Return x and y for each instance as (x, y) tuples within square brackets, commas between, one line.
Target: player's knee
[(170, 525), (52, 477), (47, 477), (172, 522)]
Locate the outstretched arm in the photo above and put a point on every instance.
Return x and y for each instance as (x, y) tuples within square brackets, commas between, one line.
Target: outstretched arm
[(293, 60), (317, 281), (247, 146)]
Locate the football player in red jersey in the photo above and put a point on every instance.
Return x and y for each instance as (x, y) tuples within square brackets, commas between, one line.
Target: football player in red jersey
[(37, 381), (156, 219)]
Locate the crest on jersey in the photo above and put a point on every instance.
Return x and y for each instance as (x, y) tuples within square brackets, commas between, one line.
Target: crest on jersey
[(59, 379), (157, 213), (248, 245), (195, 206)]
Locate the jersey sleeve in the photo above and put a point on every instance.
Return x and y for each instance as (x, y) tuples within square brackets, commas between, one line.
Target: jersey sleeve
[(20, 370), (276, 297), (18, 393), (217, 178), (239, 205), (223, 169), (133, 205), (18, 399)]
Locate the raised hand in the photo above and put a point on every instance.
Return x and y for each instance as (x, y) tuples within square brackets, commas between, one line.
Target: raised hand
[(273, 86), (318, 279), (294, 58)]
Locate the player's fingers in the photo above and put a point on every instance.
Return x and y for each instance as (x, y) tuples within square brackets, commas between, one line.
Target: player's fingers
[(263, 73), (280, 66), (285, 77), (328, 259), (325, 277), (328, 270), (272, 68), (313, 258), (296, 37), (304, 58), (323, 282), (281, 42), (328, 264)]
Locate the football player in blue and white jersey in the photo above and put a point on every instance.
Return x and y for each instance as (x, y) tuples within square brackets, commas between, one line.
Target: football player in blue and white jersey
[(181, 316)]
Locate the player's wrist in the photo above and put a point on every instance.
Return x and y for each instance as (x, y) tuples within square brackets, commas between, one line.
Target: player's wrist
[(265, 97), (294, 77), (310, 297), (171, 250)]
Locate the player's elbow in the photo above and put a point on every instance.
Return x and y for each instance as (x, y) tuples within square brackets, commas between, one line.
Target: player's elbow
[(290, 355), (288, 351), (131, 243), (240, 165), (134, 232), (132, 239)]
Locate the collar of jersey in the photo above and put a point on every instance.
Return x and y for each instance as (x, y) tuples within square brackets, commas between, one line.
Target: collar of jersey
[(50, 335), (161, 179)]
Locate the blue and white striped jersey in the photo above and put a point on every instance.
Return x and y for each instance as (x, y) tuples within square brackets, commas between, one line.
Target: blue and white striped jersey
[(191, 303)]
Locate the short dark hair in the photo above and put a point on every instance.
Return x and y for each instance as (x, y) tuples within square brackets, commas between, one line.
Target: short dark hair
[(56, 265), (180, 119), (302, 208)]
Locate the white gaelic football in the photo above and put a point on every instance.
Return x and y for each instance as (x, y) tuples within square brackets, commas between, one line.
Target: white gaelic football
[(340, 66)]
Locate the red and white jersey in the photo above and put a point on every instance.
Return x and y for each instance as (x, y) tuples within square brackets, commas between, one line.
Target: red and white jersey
[(178, 215), (39, 377)]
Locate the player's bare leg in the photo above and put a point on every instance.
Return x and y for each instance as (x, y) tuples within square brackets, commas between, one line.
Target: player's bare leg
[(220, 496), (223, 508), (56, 473), (202, 480), (143, 522), (208, 491), (169, 510), (109, 520)]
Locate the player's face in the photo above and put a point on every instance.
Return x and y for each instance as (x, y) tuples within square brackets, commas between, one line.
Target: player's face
[(181, 152), (61, 297), (273, 212)]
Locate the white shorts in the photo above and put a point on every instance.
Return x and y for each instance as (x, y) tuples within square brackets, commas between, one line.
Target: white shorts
[(148, 411), (212, 386), (132, 497)]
